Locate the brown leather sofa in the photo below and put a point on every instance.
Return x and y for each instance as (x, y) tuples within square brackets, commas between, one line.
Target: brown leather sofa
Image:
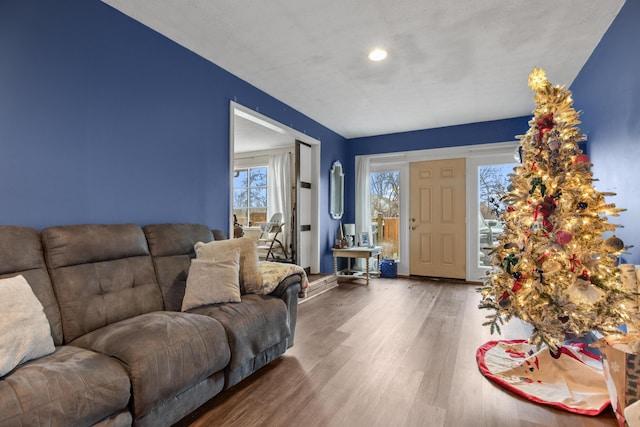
[(124, 352)]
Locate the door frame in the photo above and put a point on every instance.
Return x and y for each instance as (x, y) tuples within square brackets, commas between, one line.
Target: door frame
[(315, 173), (498, 152)]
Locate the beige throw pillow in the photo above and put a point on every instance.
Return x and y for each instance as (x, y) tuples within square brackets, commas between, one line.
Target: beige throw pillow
[(25, 332), (250, 277), (213, 281)]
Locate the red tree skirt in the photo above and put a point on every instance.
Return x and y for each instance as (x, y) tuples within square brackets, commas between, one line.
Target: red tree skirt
[(573, 381)]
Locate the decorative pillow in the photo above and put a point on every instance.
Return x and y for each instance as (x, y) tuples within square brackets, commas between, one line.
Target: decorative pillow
[(25, 332), (250, 277), (213, 281)]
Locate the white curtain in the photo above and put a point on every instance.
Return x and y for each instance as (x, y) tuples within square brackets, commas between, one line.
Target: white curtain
[(279, 191), (363, 196)]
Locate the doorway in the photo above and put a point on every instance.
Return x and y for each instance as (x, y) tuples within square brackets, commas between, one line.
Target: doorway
[(268, 136), (475, 156)]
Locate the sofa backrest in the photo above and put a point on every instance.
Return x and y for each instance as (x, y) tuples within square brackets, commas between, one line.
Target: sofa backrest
[(101, 274), (171, 247), (21, 253)]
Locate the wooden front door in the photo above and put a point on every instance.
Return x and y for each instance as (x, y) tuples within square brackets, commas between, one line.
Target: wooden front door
[(437, 218)]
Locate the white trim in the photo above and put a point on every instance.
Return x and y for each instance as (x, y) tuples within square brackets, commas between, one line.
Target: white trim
[(466, 151), (475, 155), (243, 111)]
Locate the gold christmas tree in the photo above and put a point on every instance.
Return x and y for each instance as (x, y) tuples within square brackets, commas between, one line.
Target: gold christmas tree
[(553, 268)]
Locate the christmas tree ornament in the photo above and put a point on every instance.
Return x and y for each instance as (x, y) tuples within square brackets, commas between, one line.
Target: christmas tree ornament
[(535, 183), (574, 263), (506, 301), (547, 206), (544, 124), (552, 267), (615, 243), (517, 155), (538, 79), (554, 141), (582, 158), (583, 292), (562, 237)]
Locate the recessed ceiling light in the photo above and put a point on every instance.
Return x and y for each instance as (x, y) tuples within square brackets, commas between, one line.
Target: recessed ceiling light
[(377, 54)]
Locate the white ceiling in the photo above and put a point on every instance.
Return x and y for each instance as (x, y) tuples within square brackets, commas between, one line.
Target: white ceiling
[(450, 61)]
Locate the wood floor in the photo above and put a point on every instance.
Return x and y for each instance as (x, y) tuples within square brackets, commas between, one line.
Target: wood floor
[(400, 352)]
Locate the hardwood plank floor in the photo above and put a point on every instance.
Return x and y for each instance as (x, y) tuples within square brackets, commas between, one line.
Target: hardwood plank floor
[(400, 352)]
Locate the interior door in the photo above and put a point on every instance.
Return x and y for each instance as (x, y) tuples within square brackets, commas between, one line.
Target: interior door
[(302, 207), (437, 218)]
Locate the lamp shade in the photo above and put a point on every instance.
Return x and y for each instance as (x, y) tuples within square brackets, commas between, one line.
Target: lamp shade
[(350, 229)]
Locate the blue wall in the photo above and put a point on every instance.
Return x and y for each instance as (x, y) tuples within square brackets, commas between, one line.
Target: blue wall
[(104, 120), (607, 91), (452, 136)]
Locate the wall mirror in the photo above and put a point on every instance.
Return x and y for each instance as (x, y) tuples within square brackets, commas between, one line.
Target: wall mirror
[(336, 184)]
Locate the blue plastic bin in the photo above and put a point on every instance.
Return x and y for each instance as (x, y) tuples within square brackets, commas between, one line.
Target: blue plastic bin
[(388, 268)]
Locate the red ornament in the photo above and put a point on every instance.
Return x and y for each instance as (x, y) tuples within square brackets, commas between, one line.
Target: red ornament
[(584, 275), (517, 285), (563, 237), (542, 258), (574, 261), (545, 124), (581, 158), (547, 206)]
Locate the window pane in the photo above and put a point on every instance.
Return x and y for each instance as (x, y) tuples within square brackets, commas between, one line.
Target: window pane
[(241, 216), (258, 177), (240, 178), (385, 188), (258, 198), (258, 215), (493, 181), (240, 198)]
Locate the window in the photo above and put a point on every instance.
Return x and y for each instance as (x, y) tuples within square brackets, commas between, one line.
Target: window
[(385, 208), (493, 181), (250, 195)]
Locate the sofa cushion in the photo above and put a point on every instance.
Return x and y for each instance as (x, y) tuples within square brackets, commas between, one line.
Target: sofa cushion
[(250, 276), (253, 326), (21, 253), (213, 281), (24, 329), (71, 386), (164, 353), (171, 247), (101, 274)]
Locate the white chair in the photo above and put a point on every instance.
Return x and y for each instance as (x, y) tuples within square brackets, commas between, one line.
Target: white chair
[(268, 240)]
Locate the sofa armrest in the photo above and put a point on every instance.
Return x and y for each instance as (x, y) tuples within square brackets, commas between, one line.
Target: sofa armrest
[(288, 290), (286, 283)]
